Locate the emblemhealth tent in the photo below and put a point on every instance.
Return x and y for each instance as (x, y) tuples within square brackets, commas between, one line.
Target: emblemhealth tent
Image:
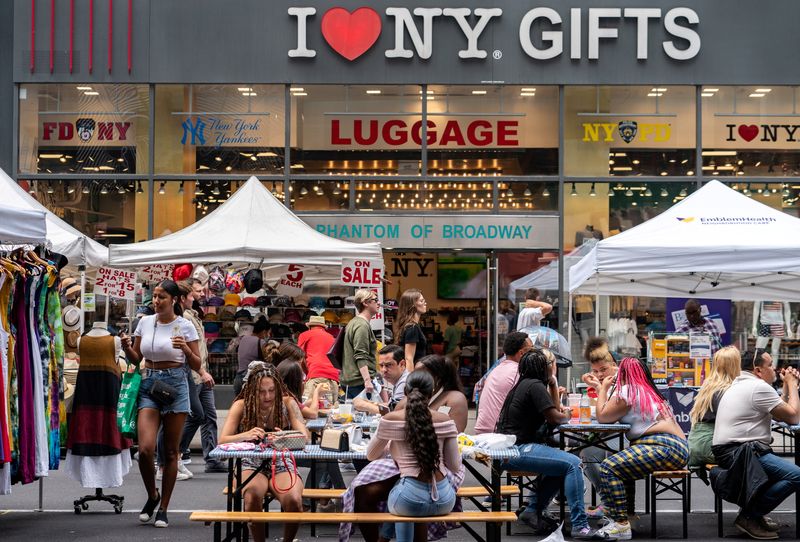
[(546, 278), (63, 238), (716, 243), (251, 227)]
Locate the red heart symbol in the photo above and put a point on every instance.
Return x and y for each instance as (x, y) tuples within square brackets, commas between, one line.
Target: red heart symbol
[(351, 34), (748, 133)]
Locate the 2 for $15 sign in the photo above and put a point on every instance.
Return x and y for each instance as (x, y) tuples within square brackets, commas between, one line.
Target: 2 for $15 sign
[(115, 283), (362, 273)]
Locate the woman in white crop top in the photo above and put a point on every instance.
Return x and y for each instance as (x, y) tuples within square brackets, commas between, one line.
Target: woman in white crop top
[(656, 440), (423, 444), (168, 345)]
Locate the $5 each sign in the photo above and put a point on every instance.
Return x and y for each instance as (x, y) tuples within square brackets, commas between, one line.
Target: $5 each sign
[(291, 282), (115, 283)]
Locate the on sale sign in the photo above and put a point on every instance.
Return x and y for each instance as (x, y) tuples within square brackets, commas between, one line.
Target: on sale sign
[(362, 273), (157, 272), (291, 282), (115, 283)]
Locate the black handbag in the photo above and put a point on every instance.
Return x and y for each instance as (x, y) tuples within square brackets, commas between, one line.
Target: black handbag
[(163, 393), (336, 351)]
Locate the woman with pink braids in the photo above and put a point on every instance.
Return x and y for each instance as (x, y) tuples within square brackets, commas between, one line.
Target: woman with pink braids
[(656, 440)]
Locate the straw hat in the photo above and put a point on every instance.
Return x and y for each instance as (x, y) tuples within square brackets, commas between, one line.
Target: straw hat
[(71, 318), (316, 321)]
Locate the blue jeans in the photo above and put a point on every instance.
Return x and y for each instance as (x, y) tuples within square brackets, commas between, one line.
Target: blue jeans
[(553, 465), (785, 480), (411, 497), (205, 420)]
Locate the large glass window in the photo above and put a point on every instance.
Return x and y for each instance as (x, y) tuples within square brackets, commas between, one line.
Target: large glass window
[(109, 211), (517, 196), (492, 130), (629, 131), (83, 129), (320, 195), (356, 130), (596, 210), (751, 131), (441, 194), (218, 129)]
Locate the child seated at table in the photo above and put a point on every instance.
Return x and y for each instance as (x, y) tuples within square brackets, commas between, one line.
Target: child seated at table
[(530, 406), (257, 410), (422, 441), (656, 440)]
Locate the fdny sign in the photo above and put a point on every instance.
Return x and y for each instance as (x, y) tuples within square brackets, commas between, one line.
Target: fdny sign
[(85, 130)]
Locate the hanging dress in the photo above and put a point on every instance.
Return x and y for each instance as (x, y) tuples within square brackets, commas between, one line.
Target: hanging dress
[(97, 455)]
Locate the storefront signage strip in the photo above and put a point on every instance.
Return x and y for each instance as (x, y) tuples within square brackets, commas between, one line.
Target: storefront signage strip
[(526, 232)]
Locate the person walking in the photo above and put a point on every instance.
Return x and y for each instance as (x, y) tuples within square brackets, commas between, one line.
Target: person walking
[(408, 332), (166, 342), (360, 345)]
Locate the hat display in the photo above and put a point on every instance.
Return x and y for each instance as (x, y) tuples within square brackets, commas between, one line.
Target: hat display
[(248, 302), (234, 281), (209, 317), (317, 303), (233, 300), (263, 301), (350, 302), (316, 321), (345, 317), (215, 301), (243, 314), (211, 326), (292, 315), (66, 283), (253, 281), (301, 300), (216, 280), (218, 347), (308, 314), (71, 318), (331, 317), (227, 313), (228, 330), (182, 272), (200, 273), (336, 302), (298, 327), (281, 331), (71, 341), (276, 318), (282, 301)]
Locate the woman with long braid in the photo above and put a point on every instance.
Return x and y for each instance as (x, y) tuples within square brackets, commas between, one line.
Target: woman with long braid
[(531, 405), (423, 443), (261, 407), (656, 440)]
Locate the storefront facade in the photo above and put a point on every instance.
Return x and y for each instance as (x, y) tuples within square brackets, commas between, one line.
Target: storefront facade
[(506, 129)]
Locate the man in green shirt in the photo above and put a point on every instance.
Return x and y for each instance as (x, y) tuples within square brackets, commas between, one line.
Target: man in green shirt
[(360, 345), (452, 337)]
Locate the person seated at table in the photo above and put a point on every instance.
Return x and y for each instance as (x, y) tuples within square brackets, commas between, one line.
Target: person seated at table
[(725, 368), (262, 407), (290, 352), (391, 364), (292, 376), (422, 441), (448, 393), (656, 440), (500, 381), (744, 419), (531, 405), (602, 364)]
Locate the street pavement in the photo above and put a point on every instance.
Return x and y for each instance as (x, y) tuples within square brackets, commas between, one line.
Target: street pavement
[(20, 520)]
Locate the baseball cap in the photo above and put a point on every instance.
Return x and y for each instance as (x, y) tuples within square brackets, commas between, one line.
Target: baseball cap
[(232, 300), (215, 301), (200, 273), (182, 272), (253, 280), (248, 302), (263, 301), (301, 300)]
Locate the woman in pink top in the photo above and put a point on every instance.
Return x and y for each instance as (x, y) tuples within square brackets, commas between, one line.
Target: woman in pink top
[(423, 444)]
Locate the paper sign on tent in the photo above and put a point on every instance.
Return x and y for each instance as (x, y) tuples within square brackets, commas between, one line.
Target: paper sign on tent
[(361, 273)]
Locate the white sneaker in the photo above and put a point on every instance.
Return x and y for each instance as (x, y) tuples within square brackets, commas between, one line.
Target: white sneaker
[(180, 476), (617, 531), (182, 469)]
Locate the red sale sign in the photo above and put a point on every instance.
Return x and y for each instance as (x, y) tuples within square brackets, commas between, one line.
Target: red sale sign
[(115, 283), (361, 273)]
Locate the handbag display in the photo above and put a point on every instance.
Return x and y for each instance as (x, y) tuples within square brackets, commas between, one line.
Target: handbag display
[(286, 440), (335, 440), (163, 394)]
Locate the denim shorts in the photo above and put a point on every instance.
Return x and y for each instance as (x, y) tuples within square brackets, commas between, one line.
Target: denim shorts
[(177, 378), (282, 464), (411, 497)]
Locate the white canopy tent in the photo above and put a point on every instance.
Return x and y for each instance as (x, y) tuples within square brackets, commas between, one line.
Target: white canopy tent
[(546, 278), (251, 227), (716, 243), (22, 227), (62, 238)]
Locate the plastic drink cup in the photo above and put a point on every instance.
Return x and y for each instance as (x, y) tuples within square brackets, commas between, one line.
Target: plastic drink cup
[(574, 403)]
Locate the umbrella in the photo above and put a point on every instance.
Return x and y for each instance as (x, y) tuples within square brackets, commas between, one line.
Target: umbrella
[(544, 337)]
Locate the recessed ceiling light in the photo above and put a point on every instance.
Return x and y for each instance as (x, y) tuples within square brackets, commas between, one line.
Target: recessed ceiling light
[(296, 89), (658, 90), (479, 92), (527, 89), (92, 93), (764, 90), (427, 92), (710, 90), (753, 95), (373, 91), (527, 94), (84, 88), (707, 94), (622, 168), (300, 94), (244, 89), (654, 94)]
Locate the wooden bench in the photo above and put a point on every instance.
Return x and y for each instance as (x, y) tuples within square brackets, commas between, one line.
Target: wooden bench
[(217, 518), (463, 492), (673, 481)]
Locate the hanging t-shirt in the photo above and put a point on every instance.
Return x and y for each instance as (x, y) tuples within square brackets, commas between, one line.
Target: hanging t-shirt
[(156, 343), (523, 412), (413, 334)]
